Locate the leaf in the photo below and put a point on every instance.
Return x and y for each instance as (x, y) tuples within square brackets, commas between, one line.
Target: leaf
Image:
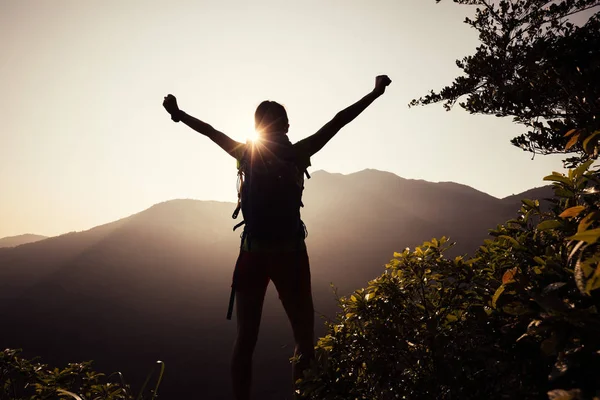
[(549, 224), (577, 172), (369, 296), (588, 140), (531, 203), (572, 131), (561, 394), (512, 240), (562, 192), (66, 392), (572, 212), (539, 260), (497, 295), (586, 222), (572, 142), (589, 236), (593, 282), (577, 247), (558, 178), (515, 308), (553, 286), (474, 260), (509, 276)]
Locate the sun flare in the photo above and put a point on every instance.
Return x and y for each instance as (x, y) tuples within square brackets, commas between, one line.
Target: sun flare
[(254, 136)]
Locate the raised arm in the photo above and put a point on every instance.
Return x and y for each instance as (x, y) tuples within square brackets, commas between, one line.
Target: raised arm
[(315, 142), (225, 142)]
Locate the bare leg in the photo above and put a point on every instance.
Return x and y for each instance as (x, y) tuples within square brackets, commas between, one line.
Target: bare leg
[(300, 312), (249, 304), (295, 294)]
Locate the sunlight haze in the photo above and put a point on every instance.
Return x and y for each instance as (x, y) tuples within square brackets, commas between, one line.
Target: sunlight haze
[(84, 139)]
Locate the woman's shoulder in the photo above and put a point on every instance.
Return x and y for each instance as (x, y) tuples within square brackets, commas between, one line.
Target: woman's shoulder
[(302, 154), (240, 151)]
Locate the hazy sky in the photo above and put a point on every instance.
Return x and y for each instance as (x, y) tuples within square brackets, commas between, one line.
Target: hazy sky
[(84, 139)]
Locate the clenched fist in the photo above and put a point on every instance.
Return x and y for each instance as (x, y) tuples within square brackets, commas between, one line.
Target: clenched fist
[(170, 104), (381, 82)]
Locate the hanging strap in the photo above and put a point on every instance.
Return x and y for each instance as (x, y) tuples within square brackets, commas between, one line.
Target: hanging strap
[(232, 295), (231, 302), (240, 183), (235, 272)]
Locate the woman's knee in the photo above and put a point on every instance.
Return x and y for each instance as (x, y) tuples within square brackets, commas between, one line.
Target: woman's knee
[(246, 340), (305, 339)]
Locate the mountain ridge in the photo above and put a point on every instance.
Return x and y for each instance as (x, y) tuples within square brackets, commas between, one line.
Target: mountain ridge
[(18, 240), (448, 184), (458, 184)]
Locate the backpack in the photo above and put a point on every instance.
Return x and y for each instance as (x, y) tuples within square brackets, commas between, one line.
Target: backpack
[(270, 186)]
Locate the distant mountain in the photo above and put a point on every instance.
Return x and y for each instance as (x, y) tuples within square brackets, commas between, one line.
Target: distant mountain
[(539, 193), (14, 241), (155, 285)]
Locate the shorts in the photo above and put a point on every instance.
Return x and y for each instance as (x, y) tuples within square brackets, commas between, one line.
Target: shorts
[(289, 271)]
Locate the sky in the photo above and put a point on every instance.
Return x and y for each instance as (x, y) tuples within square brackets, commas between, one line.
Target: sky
[(84, 139)]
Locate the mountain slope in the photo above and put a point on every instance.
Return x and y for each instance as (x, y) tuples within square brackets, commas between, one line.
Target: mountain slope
[(14, 241), (155, 285)]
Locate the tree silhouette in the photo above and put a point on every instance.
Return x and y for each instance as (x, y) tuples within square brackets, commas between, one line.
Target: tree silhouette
[(537, 65)]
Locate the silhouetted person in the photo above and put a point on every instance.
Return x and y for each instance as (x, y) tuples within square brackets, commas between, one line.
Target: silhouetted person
[(271, 173)]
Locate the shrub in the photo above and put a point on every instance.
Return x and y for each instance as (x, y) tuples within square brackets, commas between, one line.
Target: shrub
[(519, 319), (24, 379)]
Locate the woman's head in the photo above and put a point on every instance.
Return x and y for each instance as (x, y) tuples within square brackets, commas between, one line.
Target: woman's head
[(271, 118)]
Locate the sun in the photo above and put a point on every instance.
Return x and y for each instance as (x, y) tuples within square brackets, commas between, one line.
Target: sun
[(254, 136)]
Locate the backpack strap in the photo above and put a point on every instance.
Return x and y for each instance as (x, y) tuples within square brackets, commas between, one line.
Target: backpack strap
[(240, 182), (231, 302)]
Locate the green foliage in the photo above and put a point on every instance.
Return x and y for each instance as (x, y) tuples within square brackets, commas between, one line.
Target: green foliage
[(535, 65), (24, 379), (517, 320)]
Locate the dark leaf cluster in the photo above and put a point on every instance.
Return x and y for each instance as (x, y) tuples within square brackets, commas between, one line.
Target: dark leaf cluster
[(535, 65), (22, 379)]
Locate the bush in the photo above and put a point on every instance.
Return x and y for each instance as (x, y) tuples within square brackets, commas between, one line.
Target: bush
[(519, 319), (24, 379)]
